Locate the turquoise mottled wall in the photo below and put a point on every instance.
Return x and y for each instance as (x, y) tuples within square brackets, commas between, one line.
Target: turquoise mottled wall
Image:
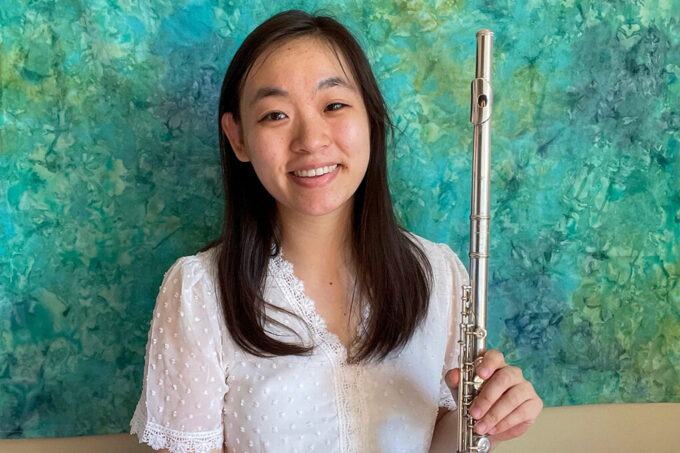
[(109, 171)]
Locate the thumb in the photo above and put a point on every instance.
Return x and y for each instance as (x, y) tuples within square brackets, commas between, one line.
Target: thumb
[(452, 378)]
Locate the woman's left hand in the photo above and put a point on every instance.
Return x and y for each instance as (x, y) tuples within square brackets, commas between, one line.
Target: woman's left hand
[(507, 404)]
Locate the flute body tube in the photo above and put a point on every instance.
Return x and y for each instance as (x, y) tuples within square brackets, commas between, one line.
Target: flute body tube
[(473, 330)]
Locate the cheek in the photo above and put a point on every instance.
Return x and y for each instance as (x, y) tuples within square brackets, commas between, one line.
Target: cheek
[(263, 151), (355, 136)]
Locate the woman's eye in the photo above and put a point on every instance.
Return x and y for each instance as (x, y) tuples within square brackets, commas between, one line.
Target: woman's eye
[(274, 116), (335, 106)]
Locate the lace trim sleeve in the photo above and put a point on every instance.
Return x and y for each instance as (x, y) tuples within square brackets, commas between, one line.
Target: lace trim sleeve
[(158, 437)]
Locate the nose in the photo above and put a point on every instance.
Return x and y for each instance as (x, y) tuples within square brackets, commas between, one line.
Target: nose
[(311, 133)]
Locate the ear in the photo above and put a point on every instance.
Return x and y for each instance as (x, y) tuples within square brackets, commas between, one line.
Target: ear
[(235, 135)]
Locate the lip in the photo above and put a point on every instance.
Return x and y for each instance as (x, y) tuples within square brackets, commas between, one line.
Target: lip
[(315, 166), (315, 181)]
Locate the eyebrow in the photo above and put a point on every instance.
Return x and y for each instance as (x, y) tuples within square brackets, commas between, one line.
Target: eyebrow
[(276, 91)]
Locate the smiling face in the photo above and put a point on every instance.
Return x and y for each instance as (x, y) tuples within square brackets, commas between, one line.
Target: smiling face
[(299, 111)]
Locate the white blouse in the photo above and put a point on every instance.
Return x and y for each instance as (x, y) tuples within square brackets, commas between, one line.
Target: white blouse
[(202, 391)]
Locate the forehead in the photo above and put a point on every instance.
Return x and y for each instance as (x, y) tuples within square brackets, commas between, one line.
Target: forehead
[(295, 60)]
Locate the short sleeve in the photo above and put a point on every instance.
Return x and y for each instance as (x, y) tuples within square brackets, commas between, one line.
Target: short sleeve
[(459, 277), (180, 407)]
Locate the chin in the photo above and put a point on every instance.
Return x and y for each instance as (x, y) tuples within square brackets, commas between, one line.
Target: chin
[(321, 209), (316, 206)]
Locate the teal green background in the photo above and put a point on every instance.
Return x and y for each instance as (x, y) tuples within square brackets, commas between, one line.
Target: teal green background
[(109, 171)]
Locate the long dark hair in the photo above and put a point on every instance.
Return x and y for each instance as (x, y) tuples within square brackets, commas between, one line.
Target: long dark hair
[(392, 271)]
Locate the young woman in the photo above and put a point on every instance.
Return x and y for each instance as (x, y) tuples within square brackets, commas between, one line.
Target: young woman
[(315, 322)]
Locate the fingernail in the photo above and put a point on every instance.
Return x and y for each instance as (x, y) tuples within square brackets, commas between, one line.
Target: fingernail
[(475, 412), (482, 372), (480, 427)]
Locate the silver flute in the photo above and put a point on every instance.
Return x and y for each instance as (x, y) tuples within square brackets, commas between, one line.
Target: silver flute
[(474, 296)]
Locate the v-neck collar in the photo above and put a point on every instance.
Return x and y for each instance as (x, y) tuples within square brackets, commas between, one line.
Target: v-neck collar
[(294, 290)]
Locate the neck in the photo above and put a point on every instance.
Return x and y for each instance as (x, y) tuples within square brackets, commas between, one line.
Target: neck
[(319, 243)]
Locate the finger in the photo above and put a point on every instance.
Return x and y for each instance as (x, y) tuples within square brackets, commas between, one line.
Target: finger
[(524, 415), (493, 388), (513, 432), (493, 360), (452, 378), (513, 398)]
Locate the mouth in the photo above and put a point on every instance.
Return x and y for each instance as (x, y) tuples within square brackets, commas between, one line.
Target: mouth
[(316, 172), (310, 179)]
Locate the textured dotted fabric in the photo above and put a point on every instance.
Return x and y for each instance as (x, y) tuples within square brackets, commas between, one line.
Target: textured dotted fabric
[(201, 391)]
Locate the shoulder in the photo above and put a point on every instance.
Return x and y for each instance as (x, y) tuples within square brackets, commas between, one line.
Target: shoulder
[(433, 249), (188, 288), (206, 259), (188, 270), (425, 243), (183, 266), (441, 256)]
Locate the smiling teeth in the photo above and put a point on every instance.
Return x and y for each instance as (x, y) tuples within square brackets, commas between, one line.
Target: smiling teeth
[(316, 172)]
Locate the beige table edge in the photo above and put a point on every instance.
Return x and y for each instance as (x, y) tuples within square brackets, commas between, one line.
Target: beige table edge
[(616, 428)]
